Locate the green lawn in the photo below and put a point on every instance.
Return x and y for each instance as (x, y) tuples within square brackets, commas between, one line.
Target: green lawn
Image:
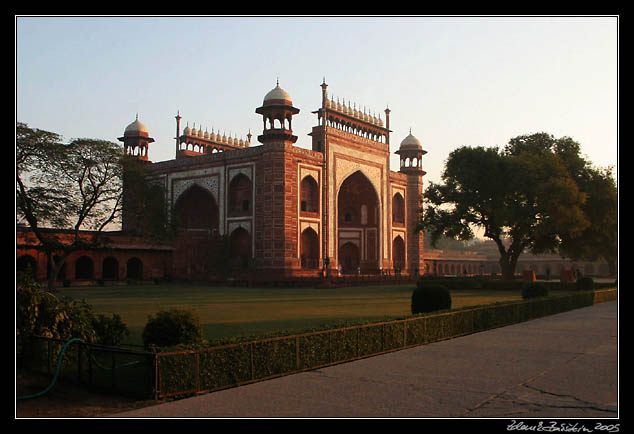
[(235, 311)]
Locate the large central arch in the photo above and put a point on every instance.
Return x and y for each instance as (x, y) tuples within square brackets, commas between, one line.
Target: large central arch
[(197, 209), (196, 215), (358, 224)]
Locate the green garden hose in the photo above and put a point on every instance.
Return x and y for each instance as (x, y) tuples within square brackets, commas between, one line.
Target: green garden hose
[(59, 365)]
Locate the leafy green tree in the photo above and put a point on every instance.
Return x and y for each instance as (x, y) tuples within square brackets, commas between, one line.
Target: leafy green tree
[(62, 186), (78, 189), (145, 211), (42, 313), (521, 199), (599, 240)]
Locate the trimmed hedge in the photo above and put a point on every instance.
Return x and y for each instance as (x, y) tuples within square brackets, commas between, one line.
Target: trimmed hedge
[(237, 364), (206, 369), (172, 327), (534, 290), (585, 284), (213, 363), (429, 298)]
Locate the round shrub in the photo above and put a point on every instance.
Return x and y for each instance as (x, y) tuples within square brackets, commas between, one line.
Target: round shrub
[(430, 298), (534, 290), (172, 327), (110, 330), (585, 284)]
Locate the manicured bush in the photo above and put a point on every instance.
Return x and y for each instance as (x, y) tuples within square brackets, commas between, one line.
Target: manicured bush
[(110, 330), (585, 284), (534, 290), (43, 313), (172, 327), (430, 298)]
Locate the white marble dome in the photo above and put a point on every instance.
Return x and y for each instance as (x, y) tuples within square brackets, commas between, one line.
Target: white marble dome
[(411, 142), (278, 93), (136, 128)]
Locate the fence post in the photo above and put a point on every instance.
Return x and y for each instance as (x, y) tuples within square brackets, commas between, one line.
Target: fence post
[(251, 360), (382, 337), (89, 355), (405, 324), (48, 357), (79, 363), (197, 367), (114, 374), (330, 346), (157, 383)]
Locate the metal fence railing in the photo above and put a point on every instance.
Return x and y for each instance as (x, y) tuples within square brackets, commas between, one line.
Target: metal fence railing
[(122, 371)]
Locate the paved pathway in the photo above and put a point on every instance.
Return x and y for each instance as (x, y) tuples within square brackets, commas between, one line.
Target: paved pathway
[(561, 366)]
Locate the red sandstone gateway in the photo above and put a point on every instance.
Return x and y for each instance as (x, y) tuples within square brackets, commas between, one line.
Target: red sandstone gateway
[(276, 210)]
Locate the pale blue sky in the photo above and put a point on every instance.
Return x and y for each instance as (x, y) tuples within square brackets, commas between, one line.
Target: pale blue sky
[(453, 80)]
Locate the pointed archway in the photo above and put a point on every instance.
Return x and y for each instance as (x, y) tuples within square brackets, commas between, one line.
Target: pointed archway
[(240, 248), (135, 269), (196, 209), (110, 268), (349, 258), (309, 249), (359, 224), (239, 197), (197, 217), (398, 253)]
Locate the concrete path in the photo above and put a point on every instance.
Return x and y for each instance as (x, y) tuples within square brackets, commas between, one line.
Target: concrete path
[(561, 366)]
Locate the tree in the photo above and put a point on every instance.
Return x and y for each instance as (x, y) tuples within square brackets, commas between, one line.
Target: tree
[(42, 313), (523, 200), (600, 238), (77, 187), (145, 211)]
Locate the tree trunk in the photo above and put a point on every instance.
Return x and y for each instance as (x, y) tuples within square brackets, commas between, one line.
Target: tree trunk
[(54, 268), (612, 267), (507, 264), (53, 271), (508, 258)]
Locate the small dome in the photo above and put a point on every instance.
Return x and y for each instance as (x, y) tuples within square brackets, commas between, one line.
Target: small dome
[(411, 142), (279, 94), (136, 128)]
